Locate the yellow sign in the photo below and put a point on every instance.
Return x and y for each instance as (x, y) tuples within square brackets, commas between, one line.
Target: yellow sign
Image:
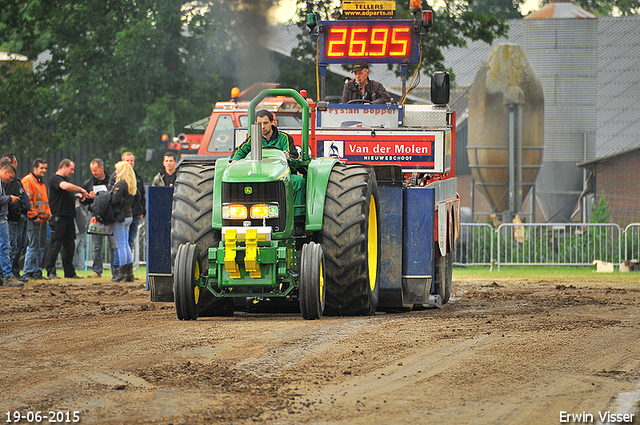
[(369, 8)]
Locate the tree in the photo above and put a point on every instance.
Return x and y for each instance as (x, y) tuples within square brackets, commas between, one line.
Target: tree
[(609, 7), (25, 109), (601, 212), (507, 9), (121, 73)]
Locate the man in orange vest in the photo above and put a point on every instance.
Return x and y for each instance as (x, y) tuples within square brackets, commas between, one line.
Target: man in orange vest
[(39, 215)]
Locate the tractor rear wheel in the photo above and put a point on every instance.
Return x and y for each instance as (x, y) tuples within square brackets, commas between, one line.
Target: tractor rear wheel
[(186, 292), (350, 240), (191, 223), (192, 207), (312, 289), (443, 276)]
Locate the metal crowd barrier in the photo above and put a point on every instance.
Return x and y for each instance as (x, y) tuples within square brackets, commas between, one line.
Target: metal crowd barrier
[(571, 244), (557, 244), (632, 242), (139, 249), (475, 245), (574, 244)]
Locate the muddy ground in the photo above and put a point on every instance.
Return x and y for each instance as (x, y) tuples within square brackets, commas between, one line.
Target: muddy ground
[(501, 352)]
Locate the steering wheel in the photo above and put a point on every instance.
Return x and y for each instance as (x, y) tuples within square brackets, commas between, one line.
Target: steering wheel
[(272, 147), (281, 150), (359, 101)]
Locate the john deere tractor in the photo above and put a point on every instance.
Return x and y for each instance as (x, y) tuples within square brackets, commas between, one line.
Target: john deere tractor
[(236, 235)]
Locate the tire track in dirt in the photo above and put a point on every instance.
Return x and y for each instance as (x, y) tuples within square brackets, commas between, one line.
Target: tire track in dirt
[(283, 349)]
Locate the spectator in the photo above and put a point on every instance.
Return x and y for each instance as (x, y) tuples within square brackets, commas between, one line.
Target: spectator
[(139, 209), (99, 182), (168, 176), (82, 218), (17, 218), (39, 216), (7, 172), (63, 230), (124, 192)]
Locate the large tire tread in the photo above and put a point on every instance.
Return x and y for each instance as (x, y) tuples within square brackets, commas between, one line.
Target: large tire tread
[(191, 223), (192, 207), (312, 289), (344, 241), (183, 282)]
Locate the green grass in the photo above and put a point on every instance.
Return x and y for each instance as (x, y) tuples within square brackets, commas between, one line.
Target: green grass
[(585, 274), (141, 273)]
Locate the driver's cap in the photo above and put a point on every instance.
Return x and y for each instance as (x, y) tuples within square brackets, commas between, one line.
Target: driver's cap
[(360, 65)]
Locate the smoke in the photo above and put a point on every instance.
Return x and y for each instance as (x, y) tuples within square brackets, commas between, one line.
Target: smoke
[(252, 30)]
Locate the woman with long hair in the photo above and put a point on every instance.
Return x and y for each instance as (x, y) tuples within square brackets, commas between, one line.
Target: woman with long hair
[(122, 197)]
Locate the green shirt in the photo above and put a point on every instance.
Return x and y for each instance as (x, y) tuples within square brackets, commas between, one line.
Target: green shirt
[(278, 140)]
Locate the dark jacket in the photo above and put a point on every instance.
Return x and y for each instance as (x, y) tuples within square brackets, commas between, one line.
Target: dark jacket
[(5, 201), (140, 200), (18, 209), (378, 94), (102, 209), (164, 179), (91, 182), (121, 197)]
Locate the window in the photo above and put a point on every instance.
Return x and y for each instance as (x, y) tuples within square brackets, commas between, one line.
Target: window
[(284, 121), (289, 121), (222, 138)]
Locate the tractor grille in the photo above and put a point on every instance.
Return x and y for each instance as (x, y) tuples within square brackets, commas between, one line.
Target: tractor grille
[(260, 193)]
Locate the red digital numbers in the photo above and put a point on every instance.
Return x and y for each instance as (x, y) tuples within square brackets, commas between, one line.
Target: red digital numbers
[(368, 41)]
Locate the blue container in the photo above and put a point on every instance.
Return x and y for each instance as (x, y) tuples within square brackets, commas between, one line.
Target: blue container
[(417, 248), (390, 226), (159, 280)]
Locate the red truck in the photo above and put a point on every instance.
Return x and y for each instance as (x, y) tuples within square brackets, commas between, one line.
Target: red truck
[(215, 134)]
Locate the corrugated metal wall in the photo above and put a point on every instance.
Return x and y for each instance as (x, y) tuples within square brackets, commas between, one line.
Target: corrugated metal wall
[(564, 54)]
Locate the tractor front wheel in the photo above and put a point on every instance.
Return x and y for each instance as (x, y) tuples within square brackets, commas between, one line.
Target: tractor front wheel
[(311, 292), (191, 224), (185, 274)]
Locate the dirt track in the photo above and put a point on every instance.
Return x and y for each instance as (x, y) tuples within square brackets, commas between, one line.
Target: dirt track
[(516, 352)]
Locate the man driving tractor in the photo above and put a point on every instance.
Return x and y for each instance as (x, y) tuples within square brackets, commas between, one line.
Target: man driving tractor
[(272, 137)]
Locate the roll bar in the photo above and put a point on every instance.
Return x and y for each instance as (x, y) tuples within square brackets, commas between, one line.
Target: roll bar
[(305, 113)]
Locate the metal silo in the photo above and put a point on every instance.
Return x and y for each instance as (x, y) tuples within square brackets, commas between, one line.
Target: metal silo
[(561, 42), (506, 126)]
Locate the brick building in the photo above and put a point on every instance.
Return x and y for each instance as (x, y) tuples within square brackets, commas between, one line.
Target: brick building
[(616, 178)]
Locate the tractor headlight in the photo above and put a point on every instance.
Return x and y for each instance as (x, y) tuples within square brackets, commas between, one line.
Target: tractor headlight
[(234, 212), (264, 211)]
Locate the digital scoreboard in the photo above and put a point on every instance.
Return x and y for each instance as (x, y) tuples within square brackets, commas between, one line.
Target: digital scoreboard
[(372, 41)]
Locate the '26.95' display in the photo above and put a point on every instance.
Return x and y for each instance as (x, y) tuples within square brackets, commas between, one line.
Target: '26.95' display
[(371, 41)]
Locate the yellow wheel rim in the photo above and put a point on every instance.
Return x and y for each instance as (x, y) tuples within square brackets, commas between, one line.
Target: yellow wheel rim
[(321, 282), (196, 289), (372, 247)]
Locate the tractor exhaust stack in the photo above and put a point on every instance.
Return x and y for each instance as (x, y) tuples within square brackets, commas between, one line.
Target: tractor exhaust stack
[(256, 142)]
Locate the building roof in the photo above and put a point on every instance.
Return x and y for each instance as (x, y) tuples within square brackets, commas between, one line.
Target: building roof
[(561, 9)]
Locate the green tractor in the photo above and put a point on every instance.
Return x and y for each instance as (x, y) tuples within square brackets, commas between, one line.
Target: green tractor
[(236, 236)]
